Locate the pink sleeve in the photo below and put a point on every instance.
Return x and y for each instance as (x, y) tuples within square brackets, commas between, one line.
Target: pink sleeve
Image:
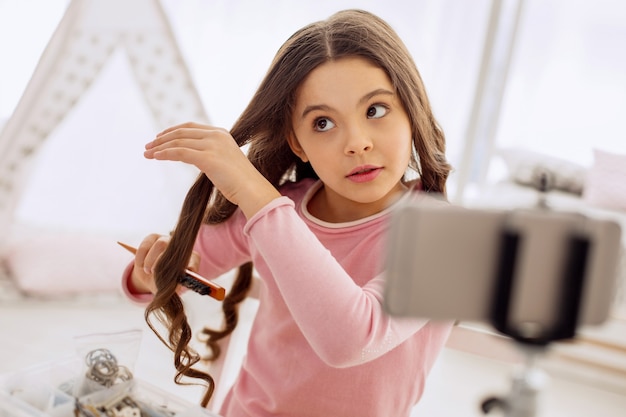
[(222, 246), (344, 323)]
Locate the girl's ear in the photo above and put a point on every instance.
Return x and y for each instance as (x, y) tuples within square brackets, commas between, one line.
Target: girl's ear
[(296, 148)]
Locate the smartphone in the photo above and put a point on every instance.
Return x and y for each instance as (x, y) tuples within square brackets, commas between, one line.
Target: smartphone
[(531, 269)]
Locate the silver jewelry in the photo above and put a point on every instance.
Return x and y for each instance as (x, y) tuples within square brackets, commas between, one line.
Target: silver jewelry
[(103, 368)]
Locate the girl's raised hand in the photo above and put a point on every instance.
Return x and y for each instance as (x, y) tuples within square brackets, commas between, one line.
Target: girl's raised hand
[(214, 152)]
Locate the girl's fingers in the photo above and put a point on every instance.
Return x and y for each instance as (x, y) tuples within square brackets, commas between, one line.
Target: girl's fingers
[(187, 131), (148, 254), (188, 156), (155, 252), (191, 144), (142, 277), (142, 251), (187, 125)]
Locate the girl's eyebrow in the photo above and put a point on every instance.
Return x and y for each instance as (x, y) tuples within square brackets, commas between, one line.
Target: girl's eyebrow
[(375, 93), (366, 97)]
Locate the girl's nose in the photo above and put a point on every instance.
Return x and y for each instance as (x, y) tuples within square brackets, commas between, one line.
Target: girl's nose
[(357, 141)]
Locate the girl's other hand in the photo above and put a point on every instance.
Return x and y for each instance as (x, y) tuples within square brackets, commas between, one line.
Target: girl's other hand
[(214, 152), (146, 258)]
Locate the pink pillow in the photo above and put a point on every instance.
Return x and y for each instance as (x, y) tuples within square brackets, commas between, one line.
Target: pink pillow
[(66, 264), (605, 184)]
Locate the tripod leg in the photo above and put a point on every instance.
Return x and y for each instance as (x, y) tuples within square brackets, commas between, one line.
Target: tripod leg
[(527, 383), (491, 403)]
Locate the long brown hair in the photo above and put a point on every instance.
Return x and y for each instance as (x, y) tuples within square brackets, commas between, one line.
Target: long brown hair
[(264, 126)]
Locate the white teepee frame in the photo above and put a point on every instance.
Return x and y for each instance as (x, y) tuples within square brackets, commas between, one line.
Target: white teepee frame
[(85, 39)]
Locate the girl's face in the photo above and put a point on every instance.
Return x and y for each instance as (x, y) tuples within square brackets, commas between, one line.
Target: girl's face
[(350, 125)]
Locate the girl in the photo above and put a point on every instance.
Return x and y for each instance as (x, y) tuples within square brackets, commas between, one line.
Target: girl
[(338, 122)]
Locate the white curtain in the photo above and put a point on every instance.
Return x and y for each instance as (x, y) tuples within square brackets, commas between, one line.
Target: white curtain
[(566, 92)]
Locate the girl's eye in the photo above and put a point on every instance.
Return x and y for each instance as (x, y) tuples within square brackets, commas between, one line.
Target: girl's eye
[(323, 124), (377, 111)]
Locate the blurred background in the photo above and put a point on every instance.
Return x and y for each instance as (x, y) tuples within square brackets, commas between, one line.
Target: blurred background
[(545, 75)]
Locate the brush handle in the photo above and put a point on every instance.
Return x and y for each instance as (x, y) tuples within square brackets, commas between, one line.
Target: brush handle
[(216, 291)]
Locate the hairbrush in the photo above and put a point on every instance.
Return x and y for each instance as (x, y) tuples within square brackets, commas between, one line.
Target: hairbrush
[(193, 281)]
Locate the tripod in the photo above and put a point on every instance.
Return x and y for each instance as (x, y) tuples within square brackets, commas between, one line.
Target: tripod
[(533, 338), (527, 383)]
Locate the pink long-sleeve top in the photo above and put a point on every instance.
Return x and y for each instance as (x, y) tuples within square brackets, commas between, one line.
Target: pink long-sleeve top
[(321, 343)]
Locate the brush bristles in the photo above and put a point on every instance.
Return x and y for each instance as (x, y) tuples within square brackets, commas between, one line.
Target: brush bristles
[(194, 285)]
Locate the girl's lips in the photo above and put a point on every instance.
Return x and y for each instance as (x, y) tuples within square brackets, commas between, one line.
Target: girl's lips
[(364, 173)]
